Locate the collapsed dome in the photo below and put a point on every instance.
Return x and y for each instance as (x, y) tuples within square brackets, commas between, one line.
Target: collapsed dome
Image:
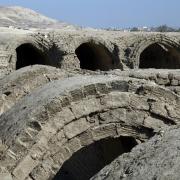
[(94, 56), (160, 56), (27, 54), (89, 160)]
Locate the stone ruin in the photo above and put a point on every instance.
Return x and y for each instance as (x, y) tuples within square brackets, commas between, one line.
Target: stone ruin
[(73, 102)]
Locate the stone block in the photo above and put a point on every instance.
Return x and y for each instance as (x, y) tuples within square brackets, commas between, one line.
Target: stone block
[(174, 82), (86, 138), (101, 132), (63, 117), (5, 176), (25, 167), (122, 86), (86, 107), (77, 94), (116, 99), (161, 81), (116, 115), (75, 128), (158, 108), (74, 145), (139, 102), (90, 90), (102, 88), (154, 123)]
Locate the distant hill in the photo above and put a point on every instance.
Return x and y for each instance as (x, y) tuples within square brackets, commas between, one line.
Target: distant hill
[(26, 18)]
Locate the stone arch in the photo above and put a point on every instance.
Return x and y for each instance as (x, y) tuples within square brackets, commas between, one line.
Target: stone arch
[(94, 56), (28, 54), (160, 56), (34, 41), (161, 41), (89, 160), (79, 111), (48, 53)]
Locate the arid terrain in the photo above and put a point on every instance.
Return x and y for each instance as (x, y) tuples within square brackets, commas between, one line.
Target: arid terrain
[(79, 104)]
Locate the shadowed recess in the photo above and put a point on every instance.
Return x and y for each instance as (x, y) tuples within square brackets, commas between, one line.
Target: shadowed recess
[(94, 56), (27, 55), (89, 160), (159, 56)]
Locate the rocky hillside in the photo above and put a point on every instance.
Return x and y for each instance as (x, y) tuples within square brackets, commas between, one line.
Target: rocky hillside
[(20, 17)]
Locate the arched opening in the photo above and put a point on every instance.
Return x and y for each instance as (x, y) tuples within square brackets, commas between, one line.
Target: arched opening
[(93, 57), (160, 56), (27, 55), (89, 160)]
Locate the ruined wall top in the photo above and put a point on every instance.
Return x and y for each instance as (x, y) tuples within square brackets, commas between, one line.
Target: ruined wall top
[(59, 46)]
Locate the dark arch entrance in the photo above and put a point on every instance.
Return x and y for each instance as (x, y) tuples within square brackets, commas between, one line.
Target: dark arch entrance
[(27, 54), (89, 160), (160, 56), (94, 56)]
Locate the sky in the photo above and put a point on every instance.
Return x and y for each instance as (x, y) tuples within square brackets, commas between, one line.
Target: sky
[(106, 13)]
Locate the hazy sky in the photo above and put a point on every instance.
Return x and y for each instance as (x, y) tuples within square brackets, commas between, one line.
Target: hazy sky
[(107, 13)]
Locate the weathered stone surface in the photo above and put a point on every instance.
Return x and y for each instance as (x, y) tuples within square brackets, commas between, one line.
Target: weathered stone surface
[(156, 159), (53, 131), (5, 176), (24, 167), (80, 108), (62, 105), (116, 100), (75, 128), (104, 131)]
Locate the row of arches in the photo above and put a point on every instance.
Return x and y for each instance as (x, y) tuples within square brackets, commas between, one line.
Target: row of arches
[(94, 56)]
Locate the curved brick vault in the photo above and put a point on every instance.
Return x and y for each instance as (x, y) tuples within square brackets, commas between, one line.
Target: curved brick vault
[(76, 112)]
